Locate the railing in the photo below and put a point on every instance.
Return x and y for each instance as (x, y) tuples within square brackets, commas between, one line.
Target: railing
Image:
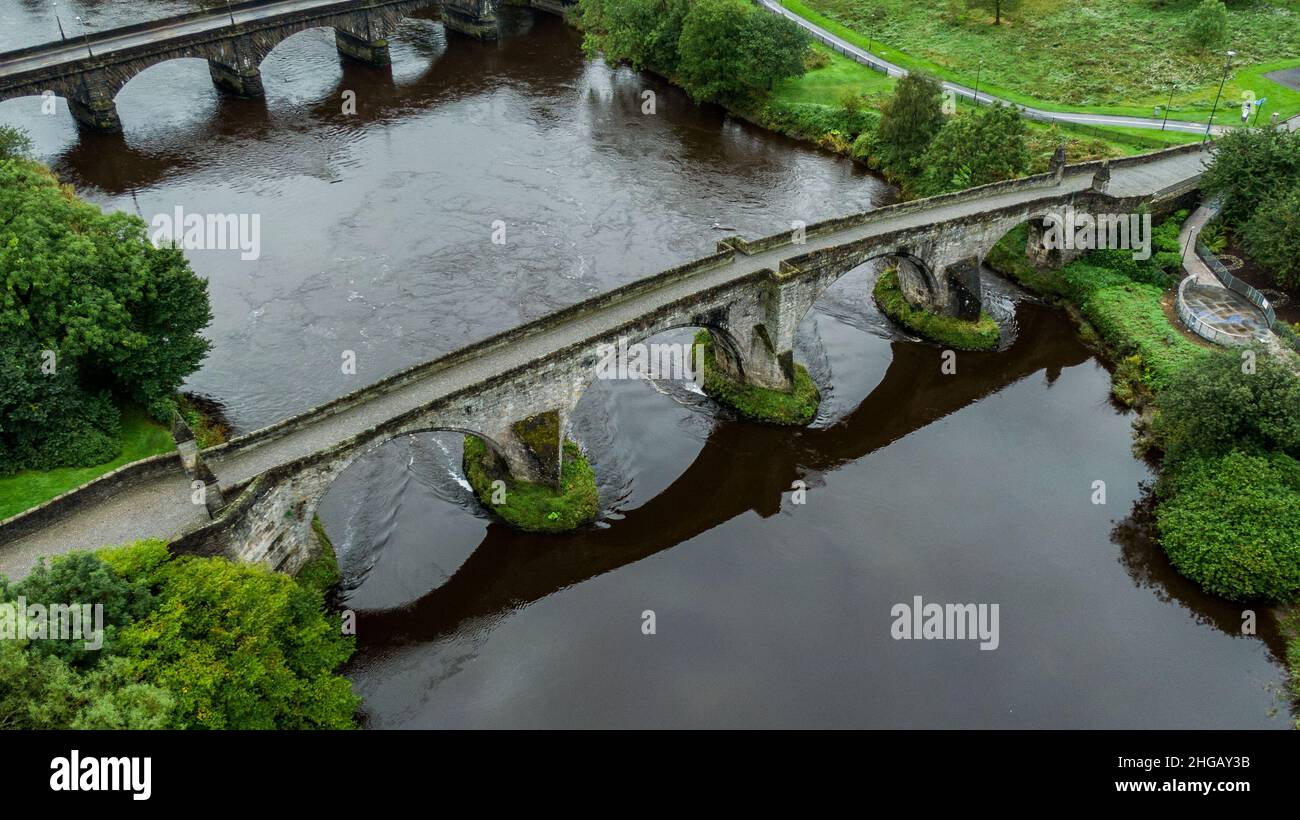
[(1202, 328)]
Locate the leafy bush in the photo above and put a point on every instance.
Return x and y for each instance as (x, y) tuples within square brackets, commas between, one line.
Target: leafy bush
[(14, 144), (75, 579), (975, 149), (1272, 234), (912, 117), (1232, 524), (1207, 27), (1250, 164), (1210, 407)]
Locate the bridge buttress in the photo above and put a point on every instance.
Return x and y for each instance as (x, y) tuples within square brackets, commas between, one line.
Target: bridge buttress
[(91, 103), (1037, 248), (476, 18), (371, 51), (236, 69)]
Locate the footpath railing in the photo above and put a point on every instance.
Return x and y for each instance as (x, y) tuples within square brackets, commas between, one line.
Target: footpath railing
[(1243, 289), (1199, 326)]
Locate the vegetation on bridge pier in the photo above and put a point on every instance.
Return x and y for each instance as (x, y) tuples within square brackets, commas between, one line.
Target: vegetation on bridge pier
[(796, 408), (961, 334), (530, 506)]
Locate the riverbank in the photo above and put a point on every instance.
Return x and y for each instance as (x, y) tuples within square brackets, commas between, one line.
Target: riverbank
[(1227, 493)]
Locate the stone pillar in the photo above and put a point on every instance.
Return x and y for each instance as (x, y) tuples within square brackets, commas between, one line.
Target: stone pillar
[(371, 51), (186, 446), (477, 18), (236, 70), (212, 497), (1045, 248), (1057, 165), (1101, 179), (92, 103), (964, 290)]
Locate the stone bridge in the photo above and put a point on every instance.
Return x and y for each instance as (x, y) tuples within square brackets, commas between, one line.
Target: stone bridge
[(264, 487), (88, 70)]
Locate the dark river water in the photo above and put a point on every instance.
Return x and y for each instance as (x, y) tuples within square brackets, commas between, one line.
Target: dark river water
[(968, 488)]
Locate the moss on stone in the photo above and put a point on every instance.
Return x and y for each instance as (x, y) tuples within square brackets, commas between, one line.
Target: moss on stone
[(321, 573), (755, 403), (961, 334), (531, 506)]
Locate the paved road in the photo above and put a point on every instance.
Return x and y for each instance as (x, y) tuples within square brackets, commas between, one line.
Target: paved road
[(111, 40), (862, 56), (162, 508)]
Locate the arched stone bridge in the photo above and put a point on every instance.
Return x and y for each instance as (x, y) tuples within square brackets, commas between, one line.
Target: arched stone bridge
[(750, 294), (88, 70)]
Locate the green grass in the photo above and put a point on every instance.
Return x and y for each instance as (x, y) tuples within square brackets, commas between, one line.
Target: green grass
[(982, 334), (141, 437), (536, 507), (1102, 57), (755, 403), (830, 84)]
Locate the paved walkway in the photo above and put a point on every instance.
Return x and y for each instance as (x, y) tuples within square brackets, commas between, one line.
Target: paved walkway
[(1223, 310), (162, 508)]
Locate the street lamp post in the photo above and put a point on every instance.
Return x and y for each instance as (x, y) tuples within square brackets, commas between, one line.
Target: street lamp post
[(978, 70), (1226, 67), (85, 32), (1171, 102), (1191, 238), (231, 12), (58, 20)]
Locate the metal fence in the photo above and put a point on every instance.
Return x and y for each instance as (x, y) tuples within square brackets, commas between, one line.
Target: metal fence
[(1199, 326)]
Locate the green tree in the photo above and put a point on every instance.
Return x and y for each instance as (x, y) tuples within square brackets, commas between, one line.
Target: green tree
[(240, 647), (712, 50), (975, 149), (995, 6), (642, 33), (1248, 165), (911, 118), (1272, 234), (40, 691), (1210, 407), (75, 579), (774, 49), (1207, 27), (14, 144), (88, 308)]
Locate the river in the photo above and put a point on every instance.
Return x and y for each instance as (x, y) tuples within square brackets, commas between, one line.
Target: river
[(968, 488)]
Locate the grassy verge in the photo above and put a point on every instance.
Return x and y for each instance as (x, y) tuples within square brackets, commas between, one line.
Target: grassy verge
[(1128, 317), (141, 437), (760, 404), (536, 507), (1039, 59), (982, 334), (1291, 631)]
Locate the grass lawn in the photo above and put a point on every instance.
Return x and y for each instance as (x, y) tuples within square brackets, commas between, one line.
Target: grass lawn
[(1100, 57), (830, 84), (141, 437)]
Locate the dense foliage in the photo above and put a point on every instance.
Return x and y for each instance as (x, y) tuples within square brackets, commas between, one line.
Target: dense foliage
[(1220, 402), (1232, 524), (718, 50), (1272, 234), (1248, 165), (910, 120), (975, 149), (14, 144), (91, 316), (195, 643), (1207, 27)]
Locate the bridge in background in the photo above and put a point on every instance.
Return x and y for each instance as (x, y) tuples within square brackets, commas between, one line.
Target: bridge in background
[(89, 71), (263, 488)]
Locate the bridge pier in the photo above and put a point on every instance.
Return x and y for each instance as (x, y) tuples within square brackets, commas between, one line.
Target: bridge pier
[(236, 71), (92, 104), (371, 51), (553, 6), (476, 18), (1045, 254)]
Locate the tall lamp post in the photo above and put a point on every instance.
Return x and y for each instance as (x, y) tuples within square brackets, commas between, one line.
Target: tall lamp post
[(85, 32), (1226, 67), (58, 20), (978, 70), (231, 12), (1171, 102)]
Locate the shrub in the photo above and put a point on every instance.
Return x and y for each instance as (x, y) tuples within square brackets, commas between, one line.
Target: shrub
[(1272, 234), (1232, 524), (1207, 26)]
